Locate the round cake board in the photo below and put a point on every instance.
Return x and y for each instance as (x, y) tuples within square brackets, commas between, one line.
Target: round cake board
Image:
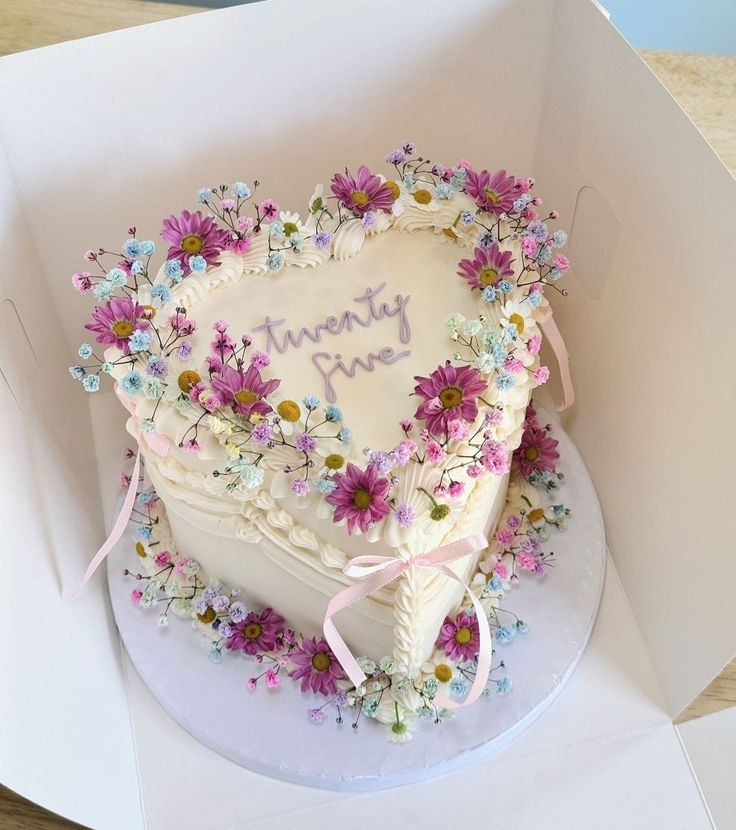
[(268, 731)]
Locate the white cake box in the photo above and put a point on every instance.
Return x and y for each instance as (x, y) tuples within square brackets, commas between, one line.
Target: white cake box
[(121, 129)]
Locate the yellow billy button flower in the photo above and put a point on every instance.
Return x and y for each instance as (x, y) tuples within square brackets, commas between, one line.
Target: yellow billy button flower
[(334, 461), (536, 515), (187, 379), (422, 196), (443, 672), (289, 411), (140, 550)]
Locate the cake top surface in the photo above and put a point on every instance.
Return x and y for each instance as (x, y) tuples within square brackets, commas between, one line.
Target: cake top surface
[(372, 358)]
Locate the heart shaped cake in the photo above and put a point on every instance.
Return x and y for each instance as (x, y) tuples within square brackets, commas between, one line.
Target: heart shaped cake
[(308, 390)]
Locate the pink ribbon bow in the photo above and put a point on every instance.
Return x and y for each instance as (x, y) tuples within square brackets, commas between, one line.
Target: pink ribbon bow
[(377, 571)]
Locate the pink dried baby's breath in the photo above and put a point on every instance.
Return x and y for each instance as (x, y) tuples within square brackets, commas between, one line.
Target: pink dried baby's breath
[(434, 451), (82, 281), (456, 489), (260, 359)]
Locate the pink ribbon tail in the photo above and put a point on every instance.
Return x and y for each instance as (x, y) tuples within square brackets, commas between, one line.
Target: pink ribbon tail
[(377, 571), (118, 528), (554, 338), (390, 570)]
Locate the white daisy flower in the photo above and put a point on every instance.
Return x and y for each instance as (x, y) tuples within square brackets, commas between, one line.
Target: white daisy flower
[(520, 314), (293, 224), (440, 667), (400, 731)]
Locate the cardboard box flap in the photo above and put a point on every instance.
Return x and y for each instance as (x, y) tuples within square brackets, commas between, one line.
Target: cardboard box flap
[(134, 122), (60, 704), (649, 323), (122, 129)]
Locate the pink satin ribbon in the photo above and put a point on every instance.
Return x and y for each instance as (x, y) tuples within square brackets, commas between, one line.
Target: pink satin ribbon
[(554, 338), (118, 528), (376, 571)]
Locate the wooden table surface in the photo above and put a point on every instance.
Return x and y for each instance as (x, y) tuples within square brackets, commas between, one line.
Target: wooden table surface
[(704, 85)]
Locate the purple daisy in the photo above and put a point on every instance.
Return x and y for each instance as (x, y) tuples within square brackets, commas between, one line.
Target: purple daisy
[(487, 267), (537, 451), (115, 321), (362, 192), (244, 391), (258, 632), (492, 193), (359, 497), (460, 637), (316, 667), (449, 394), (192, 234)]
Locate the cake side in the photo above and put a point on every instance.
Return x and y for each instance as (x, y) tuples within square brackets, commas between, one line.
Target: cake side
[(176, 585), (297, 572)]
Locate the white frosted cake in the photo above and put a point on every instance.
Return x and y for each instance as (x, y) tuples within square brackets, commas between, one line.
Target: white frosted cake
[(355, 383)]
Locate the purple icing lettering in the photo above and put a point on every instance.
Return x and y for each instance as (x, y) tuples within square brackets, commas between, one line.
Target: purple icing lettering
[(335, 325), (269, 325), (332, 325), (385, 355), (404, 327), (327, 376)]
